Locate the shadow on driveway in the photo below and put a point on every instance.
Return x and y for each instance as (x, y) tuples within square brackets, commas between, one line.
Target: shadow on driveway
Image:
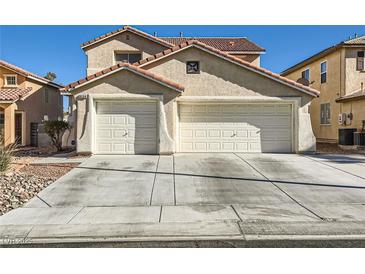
[(225, 178)]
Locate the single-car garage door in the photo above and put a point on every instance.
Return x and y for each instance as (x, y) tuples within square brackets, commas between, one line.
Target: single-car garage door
[(235, 128), (125, 127)]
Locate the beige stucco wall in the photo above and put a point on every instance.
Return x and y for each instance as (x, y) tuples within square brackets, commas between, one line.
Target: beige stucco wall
[(358, 110), (33, 106), (101, 55), (354, 78), (218, 78), (330, 91)]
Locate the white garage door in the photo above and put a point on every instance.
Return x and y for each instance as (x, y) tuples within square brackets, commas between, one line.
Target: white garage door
[(125, 127), (236, 128)]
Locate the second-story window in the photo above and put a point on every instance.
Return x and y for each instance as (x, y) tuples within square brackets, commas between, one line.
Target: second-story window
[(305, 74), (10, 80), (324, 72), (127, 57), (360, 60)]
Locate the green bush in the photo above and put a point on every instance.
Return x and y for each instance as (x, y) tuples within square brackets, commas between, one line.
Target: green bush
[(55, 130)]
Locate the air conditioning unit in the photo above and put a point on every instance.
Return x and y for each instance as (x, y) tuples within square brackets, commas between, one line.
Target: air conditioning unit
[(342, 119)]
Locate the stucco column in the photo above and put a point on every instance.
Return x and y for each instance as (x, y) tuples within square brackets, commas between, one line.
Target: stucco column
[(166, 143), (83, 124), (306, 138), (9, 124)]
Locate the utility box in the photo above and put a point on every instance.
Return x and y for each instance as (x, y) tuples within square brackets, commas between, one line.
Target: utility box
[(346, 136), (359, 138)]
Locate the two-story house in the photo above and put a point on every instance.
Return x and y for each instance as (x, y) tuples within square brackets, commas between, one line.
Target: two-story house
[(338, 72), (26, 100), (156, 95)]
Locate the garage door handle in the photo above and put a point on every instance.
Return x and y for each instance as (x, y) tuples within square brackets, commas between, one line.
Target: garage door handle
[(125, 134), (234, 134)]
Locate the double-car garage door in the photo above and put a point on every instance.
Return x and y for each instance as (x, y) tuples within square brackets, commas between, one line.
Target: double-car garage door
[(236, 128), (130, 127)]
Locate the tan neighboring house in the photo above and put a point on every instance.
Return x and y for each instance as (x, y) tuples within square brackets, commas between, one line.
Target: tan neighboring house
[(154, 95), (338, 72), (26, 100)]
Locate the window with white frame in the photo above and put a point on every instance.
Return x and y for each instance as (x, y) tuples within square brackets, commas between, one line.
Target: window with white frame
[(325, 114), (127, 57), (305, 74), (324, 72), (10, 80)]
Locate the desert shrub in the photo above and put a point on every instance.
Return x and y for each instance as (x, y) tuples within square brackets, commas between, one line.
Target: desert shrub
[(55, 130), (6, 154)]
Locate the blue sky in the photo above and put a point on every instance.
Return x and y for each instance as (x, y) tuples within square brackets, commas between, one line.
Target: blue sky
[(40, 49)]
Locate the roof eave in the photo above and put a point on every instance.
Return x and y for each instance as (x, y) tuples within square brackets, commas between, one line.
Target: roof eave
[(146, 35), (71, 90), (45, 82), (319, 55)]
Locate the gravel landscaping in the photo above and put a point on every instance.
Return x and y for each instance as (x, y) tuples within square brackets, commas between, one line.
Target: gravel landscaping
[(19, 185), (334, 148)]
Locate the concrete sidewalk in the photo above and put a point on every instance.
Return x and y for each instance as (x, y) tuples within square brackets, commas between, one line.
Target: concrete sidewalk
[(167, 232)]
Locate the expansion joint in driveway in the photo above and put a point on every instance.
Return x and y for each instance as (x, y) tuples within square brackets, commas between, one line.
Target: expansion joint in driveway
[(283, 191), (173, 175), (43, 201), (321, 162), (154, 179)]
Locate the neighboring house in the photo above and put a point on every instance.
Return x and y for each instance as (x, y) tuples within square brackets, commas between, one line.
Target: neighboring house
[(338, 72), (25, 101), (190, 97)]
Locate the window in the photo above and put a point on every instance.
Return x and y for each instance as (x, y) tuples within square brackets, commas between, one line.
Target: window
[(360, 60), (10, 80), (325, 114), (46, 96), (305, 74), (127, 57), (324, 72), (192, 67)]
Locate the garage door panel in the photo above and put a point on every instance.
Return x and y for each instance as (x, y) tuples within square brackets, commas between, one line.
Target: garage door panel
[(126, 127), (276, 146), (235, 128), (104, 133)]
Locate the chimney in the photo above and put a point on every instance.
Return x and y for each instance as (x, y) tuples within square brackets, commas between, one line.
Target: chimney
[(181, 34)]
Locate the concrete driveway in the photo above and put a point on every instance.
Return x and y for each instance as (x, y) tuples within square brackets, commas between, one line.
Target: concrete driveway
[(202, 189)]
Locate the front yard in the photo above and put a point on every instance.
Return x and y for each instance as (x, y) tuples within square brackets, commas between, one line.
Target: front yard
[(25, 179)]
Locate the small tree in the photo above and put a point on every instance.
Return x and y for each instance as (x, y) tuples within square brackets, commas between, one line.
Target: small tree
[(55, 130), (50, 76)]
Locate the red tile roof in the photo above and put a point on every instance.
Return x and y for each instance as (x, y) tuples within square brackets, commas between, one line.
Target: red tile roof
[(27, 73), (121, 30), (129, 67), (13, 94), (235, 44), (231, 58)]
